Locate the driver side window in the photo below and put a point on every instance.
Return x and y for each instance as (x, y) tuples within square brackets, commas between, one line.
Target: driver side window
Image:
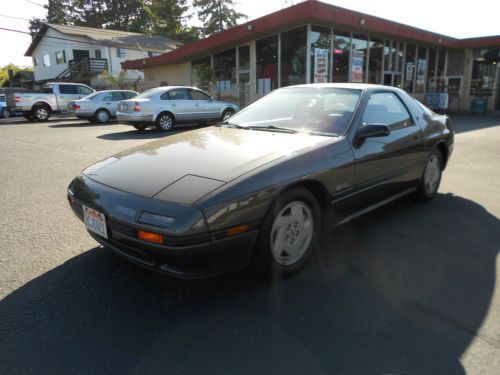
[(386, 108)]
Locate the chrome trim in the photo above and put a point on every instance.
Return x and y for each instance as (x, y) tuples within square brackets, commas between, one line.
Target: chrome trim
[(376, 205)]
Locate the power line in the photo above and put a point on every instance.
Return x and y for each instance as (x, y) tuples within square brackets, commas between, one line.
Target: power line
[(15, 18), (79, 41), (35, 3)]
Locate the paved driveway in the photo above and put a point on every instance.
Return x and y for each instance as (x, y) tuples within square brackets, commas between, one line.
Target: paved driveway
[(407, 289)]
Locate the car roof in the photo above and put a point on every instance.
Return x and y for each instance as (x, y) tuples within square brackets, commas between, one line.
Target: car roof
[(358, 86)]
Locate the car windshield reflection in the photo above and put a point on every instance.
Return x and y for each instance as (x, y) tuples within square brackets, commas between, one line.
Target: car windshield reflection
[(325, 111)]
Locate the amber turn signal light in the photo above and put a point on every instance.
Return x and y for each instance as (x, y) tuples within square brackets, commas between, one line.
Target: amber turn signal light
[(150, 237), (237, 230)]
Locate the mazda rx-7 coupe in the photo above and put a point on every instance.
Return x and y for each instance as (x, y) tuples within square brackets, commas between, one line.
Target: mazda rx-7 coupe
[(255, 189)]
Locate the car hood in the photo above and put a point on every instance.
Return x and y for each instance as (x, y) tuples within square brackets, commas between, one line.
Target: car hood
[(186, 166)]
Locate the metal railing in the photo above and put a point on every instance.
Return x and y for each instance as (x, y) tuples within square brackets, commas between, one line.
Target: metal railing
[(87, 67)]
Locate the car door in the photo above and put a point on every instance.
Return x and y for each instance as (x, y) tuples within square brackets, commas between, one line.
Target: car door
[(206, 108), (386, 165), (111, 100), (67, 93), (178, 101)]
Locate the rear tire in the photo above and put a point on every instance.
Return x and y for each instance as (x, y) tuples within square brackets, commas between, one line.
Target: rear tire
[(5, 112), (41, 113), (164, 122), (289, 234), (431, 178), (140, 127), (101, 116)]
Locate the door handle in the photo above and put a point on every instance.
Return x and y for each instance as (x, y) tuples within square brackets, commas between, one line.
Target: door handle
[(108, 103)]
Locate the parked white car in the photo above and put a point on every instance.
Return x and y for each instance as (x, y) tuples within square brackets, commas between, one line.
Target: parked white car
[(164, 107), (100, 106)]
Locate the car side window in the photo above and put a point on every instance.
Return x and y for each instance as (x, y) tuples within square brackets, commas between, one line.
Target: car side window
[(175, 94), (386, 108), (68, 89), (82, 90), (128, 95), (198, 95)]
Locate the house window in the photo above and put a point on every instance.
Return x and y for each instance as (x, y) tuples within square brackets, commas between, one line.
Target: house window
[(97, 53), (35, 61), (120, 52), (46, 60), (60, 57)]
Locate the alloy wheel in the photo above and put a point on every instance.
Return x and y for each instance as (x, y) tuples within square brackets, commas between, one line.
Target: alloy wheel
[(291, 233), (432, 174)]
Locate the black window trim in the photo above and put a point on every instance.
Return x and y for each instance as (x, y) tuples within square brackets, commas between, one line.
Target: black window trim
[(370, 93)]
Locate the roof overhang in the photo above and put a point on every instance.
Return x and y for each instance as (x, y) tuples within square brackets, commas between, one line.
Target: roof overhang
[(310, 11)]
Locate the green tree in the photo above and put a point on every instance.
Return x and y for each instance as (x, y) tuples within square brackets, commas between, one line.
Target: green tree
[(217, 15), (4, 71), (57, 12)]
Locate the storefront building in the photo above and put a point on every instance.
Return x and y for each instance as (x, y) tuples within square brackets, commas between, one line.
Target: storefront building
[(314, 42)]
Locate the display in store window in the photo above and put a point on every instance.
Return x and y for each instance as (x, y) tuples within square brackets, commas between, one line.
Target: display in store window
[(321, 65), (357, 66)]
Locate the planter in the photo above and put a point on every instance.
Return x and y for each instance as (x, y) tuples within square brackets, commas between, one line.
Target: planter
[(479, 106)]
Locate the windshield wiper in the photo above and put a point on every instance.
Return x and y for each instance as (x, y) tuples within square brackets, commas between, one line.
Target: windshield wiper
[(274, 127), (231, 125)]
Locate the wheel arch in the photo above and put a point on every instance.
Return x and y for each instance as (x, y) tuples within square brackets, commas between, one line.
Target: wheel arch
[(443, 149), (164, 111), (41, 104)]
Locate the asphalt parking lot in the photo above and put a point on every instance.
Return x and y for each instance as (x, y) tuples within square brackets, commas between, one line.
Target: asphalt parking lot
[(408, 289)]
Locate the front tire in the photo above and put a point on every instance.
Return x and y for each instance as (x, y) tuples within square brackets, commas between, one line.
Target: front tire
[(5, 112), (226, 114), (431, 177), (41, 113), (101, 116), (164, 122), (289, 234)]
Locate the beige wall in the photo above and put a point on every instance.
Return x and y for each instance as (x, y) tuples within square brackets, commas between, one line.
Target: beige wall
[(175, 74)]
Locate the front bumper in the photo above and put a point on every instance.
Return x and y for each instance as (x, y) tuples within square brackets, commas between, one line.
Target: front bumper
[(190, 256)]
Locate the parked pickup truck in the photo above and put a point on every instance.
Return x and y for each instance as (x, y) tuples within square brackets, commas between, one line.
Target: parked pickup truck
[(54, 97)]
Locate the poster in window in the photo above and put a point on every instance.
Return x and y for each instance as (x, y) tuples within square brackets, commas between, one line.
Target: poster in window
[(409, 71), (421, 68), (320, 65), (357, 66)]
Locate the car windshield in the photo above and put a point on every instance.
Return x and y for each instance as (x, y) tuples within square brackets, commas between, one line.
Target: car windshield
[(148, 93), (310, 109)]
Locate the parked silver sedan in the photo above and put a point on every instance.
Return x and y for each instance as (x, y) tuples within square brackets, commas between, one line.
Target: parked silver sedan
[(163, 107), (100, 106)]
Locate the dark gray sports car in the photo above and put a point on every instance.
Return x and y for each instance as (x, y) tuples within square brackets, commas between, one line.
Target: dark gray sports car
[(255, 189)]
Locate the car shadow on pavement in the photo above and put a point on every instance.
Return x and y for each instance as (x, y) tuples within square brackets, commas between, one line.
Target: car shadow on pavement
[(467, 123), (402, 290), (82, 124)]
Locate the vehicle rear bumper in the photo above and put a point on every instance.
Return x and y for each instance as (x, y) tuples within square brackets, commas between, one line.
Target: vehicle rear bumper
[(134, 118)]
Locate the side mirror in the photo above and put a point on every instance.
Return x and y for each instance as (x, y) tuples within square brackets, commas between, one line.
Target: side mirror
[(373, 130)]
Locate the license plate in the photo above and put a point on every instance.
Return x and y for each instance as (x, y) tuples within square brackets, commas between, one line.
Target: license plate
[(95, 221)]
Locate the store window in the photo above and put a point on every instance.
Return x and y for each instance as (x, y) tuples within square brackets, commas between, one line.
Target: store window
[(376, 46), (341, 51), (431, 71), (225, 70), (320, 42), (409, 67), (389, 56), (421, 70), (358, 58), (267, 64), (201, 73), (244, 57), (293, 57), (46, 60)]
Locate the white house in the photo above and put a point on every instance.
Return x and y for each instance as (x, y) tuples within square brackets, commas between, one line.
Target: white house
[(82, 54)]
